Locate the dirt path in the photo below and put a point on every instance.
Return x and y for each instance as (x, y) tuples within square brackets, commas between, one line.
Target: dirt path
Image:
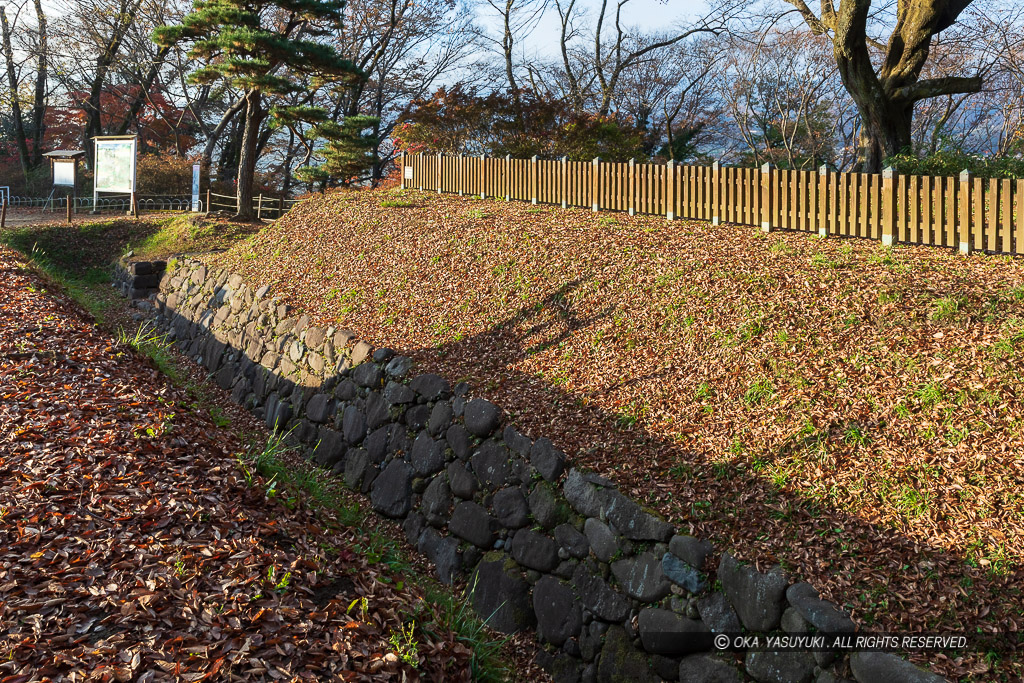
[(132, 547), (20, 218)]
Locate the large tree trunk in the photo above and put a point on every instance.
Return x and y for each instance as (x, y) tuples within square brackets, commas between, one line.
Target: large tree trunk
[(884, 132), (886, 97), (247, 160)]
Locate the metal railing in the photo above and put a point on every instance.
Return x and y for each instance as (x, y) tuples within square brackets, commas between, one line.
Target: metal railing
[(148, 203)]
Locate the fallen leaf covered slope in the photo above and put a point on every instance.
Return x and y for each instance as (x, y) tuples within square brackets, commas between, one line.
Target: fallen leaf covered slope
[(133, 548), (850, 410)]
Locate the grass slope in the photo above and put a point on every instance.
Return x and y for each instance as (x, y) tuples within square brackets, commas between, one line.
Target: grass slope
[(852, 411)]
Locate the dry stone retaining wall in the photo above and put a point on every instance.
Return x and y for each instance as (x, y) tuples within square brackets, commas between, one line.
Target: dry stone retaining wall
[(613, 592), (139, 279)]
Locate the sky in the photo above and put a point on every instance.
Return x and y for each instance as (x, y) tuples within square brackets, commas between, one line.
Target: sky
[(648, 15)]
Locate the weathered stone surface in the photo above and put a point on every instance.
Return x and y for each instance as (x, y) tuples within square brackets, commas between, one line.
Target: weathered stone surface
[(391, 493), (574, 543), (780, 667), (707, 669), (792, 622), (360, 351), (690, 550), (510, 508), (500, 595), (382, 355), (376, 444), (563, 668), (377, 410), (319, 408), (757, 598), (443, 552), (491, 464), (597, 596), (278, 413), (346, 390), (545, 507), (630, 520), (416, 417), (430, 387), (682, 574), (516, 441), (549, 461), (458, 440), (353, 425), (666, 668), (559, 613), (620, 662), (584, 497), (534, 550), (604, 542), (481, 417), (427, 455), (440, 418), (314, 337), (886, 667), (355, 468), (398, 367), (718, 614), (472, 523), (664, 632), (413, 526), (437, 501), (367, 375), (329, 449), (462, 482), (398, 394), (641, 577), (823, 615)]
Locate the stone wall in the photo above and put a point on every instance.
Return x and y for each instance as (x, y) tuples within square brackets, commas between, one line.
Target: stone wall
[(138, 279), (613, 592)]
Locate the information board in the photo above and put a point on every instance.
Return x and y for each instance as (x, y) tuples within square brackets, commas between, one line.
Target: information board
[(115, 165), (64, 172)]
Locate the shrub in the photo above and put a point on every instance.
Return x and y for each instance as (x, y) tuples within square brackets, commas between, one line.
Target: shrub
[(164, 174), (947, 162)]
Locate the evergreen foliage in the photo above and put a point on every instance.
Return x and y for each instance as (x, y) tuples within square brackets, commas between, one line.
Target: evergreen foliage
[(267, 49)]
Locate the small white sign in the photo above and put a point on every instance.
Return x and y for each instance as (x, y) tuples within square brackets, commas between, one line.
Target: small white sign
[(63, 173), (408, 172), (195, 187)]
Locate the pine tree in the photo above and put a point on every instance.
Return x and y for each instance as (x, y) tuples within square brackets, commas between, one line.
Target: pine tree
[(255, 45), (347, 153)]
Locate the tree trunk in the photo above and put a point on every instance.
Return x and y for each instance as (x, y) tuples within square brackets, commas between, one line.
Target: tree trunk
[(12, 81), (886, 98), (247, 160), (206, 160), (39, 105), (885, 132)]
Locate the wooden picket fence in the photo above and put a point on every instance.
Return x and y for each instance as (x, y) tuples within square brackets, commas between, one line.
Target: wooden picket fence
[(962, 212)]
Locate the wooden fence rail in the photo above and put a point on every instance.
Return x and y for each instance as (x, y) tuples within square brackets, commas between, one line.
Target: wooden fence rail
[(265, 206), (962, 212)]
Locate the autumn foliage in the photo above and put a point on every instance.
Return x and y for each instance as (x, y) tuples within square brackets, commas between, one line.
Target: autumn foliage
[(461, 120)]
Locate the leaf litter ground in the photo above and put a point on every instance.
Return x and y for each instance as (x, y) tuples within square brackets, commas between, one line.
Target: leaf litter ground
[(851, 411), (132, 548)]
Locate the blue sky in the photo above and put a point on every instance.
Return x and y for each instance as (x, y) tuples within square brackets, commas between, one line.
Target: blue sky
[(649, 15)]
